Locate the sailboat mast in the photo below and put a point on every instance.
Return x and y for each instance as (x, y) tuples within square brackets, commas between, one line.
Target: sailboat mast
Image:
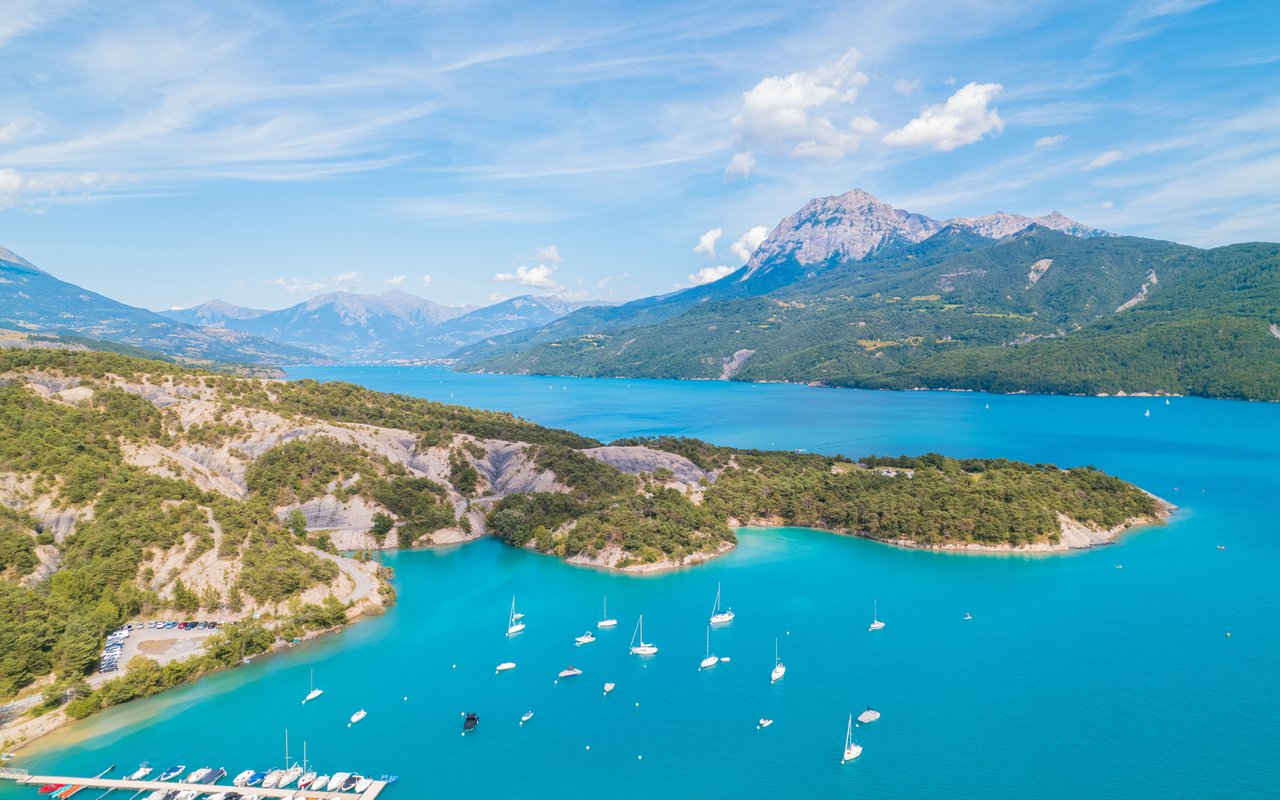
[(286, 748)]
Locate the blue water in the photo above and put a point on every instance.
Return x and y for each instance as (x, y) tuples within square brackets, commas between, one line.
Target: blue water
[(1073, 679)]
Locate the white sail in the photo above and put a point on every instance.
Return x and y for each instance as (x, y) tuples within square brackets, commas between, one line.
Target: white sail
[(779, 669), (709, 660), (644, 648), (851, 749), (719, 617), (514, 625), (606, 621)]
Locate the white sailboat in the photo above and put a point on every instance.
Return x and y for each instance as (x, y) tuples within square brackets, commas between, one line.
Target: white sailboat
[(876, 624), (718, 616), (709, 660), (514, 624), (851, 748), (644, 648), (779, 669), (314, 693), (606, 621)]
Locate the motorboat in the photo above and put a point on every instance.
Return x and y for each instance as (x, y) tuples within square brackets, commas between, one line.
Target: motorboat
[(608, 687), (214, 775), (143, 770), (172, 772), (505, 665), (569, 672), (50, 788), (198, 775), (720, 616), (851, 748), (272, 779), (525, 717), (709, 661), (469, 722), (359, 715), (779, 669), (586, 638), (339, 778), (363, 783), (764, 723), (514, 623), (870, 715), (644, 648), (350, 782), (290, 775), (256, 778), (319, 783), (243, 778), (606, 621)]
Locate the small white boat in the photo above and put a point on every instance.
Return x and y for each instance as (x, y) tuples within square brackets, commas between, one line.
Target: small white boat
[(362, 784), (644, 648), (608, 687), (339, 778), (967, 615), (514, 625), (724, 659), (356, 717), (709, 660), (876, 624), (1147, 413), (605, 621), (314, 693), (198, 775), (306, 780), (272, 779), (720, 616), (504, 666), (319, 783), (851, 748), (569, 672), (779, 669), (764, 723), (242, 778), (525, 717), (143, 770), (290, 775), (586, 638), (870, 715)]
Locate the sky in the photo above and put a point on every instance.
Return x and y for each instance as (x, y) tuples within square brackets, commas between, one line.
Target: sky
[(166, 153)]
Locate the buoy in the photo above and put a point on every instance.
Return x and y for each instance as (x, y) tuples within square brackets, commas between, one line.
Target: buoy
[(588, 747), (1228, 634), (406, 697), (639, 758)]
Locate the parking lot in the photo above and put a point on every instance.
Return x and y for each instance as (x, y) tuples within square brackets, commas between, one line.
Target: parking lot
[(160, 640)]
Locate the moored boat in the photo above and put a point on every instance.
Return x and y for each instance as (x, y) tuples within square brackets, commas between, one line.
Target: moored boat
[(709, 660), (359, 715), (197, 776), (314, 693), (779, 669), (143, 770), (469, 721), (720, 616), (339, 778), (272, 779), (876, 624), (243, 778), (214, 775), (851, 748), (525, 717), (569, 672), (608, 687), (363, 783), (319, 783), (644, 648), (173, 772), (350, 783), (505, 665), (586, 638), (870, 715), (514, 621), (606, 621)]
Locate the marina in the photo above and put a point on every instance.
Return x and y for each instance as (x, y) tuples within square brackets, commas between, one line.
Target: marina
[(23, 778)]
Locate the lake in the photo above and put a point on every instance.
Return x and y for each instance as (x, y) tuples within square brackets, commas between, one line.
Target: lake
[(1073, 678)]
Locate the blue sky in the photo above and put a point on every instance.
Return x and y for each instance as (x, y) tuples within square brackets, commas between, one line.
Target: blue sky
[(165, 153)]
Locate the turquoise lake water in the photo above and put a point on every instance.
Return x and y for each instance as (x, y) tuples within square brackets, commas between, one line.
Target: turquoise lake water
[(1073, 679)]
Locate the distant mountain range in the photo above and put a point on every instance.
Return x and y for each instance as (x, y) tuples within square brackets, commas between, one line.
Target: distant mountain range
[(392, 326), (849, 291), (33, 301)]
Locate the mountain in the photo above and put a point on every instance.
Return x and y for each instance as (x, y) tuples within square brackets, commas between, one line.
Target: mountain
[(215, 313), (852, 292), (392, 326), (34, 301)]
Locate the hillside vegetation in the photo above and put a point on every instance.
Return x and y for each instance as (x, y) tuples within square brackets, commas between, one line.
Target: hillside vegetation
[(1037, 312)]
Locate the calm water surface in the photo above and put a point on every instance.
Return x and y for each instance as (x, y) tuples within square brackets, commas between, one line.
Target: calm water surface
[(1073, 679)]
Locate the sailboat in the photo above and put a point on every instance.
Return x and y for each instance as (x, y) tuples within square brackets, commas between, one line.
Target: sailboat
[(314, 693), (851, 748), (876, 624), (514, 624), (1147, 413), (719, 617), (606, 621), (644, 648), (709, 660), (779, 669)]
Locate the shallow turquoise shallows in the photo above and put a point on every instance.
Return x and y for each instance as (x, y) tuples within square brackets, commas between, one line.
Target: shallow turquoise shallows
[(1073, 678)]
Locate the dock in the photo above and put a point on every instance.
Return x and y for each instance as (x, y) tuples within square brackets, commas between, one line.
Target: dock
[(23, 778)]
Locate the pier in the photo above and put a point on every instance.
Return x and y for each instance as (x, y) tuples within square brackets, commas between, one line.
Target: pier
[(36, 781)]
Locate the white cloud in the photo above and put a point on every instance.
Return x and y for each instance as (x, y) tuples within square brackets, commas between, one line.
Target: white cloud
[(707, 243), (707, 275), (906, 87), (805, 111), (963, 119), (498, 297), (343, 281), (950, 80), (396, 281), (1108, 204), (1104, 159), (607, 279), (12, 131), (426, 280), (548, 255), (745, 246), (539, 277), (1050, 141), (740, 166)]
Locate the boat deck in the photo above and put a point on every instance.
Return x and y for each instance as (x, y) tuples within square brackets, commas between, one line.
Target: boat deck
[(203, 788)]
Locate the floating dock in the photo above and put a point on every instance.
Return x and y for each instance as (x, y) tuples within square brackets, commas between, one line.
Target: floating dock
[(25, 779)]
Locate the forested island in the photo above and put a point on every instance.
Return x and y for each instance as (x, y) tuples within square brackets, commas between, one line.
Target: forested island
[(132, 488)]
